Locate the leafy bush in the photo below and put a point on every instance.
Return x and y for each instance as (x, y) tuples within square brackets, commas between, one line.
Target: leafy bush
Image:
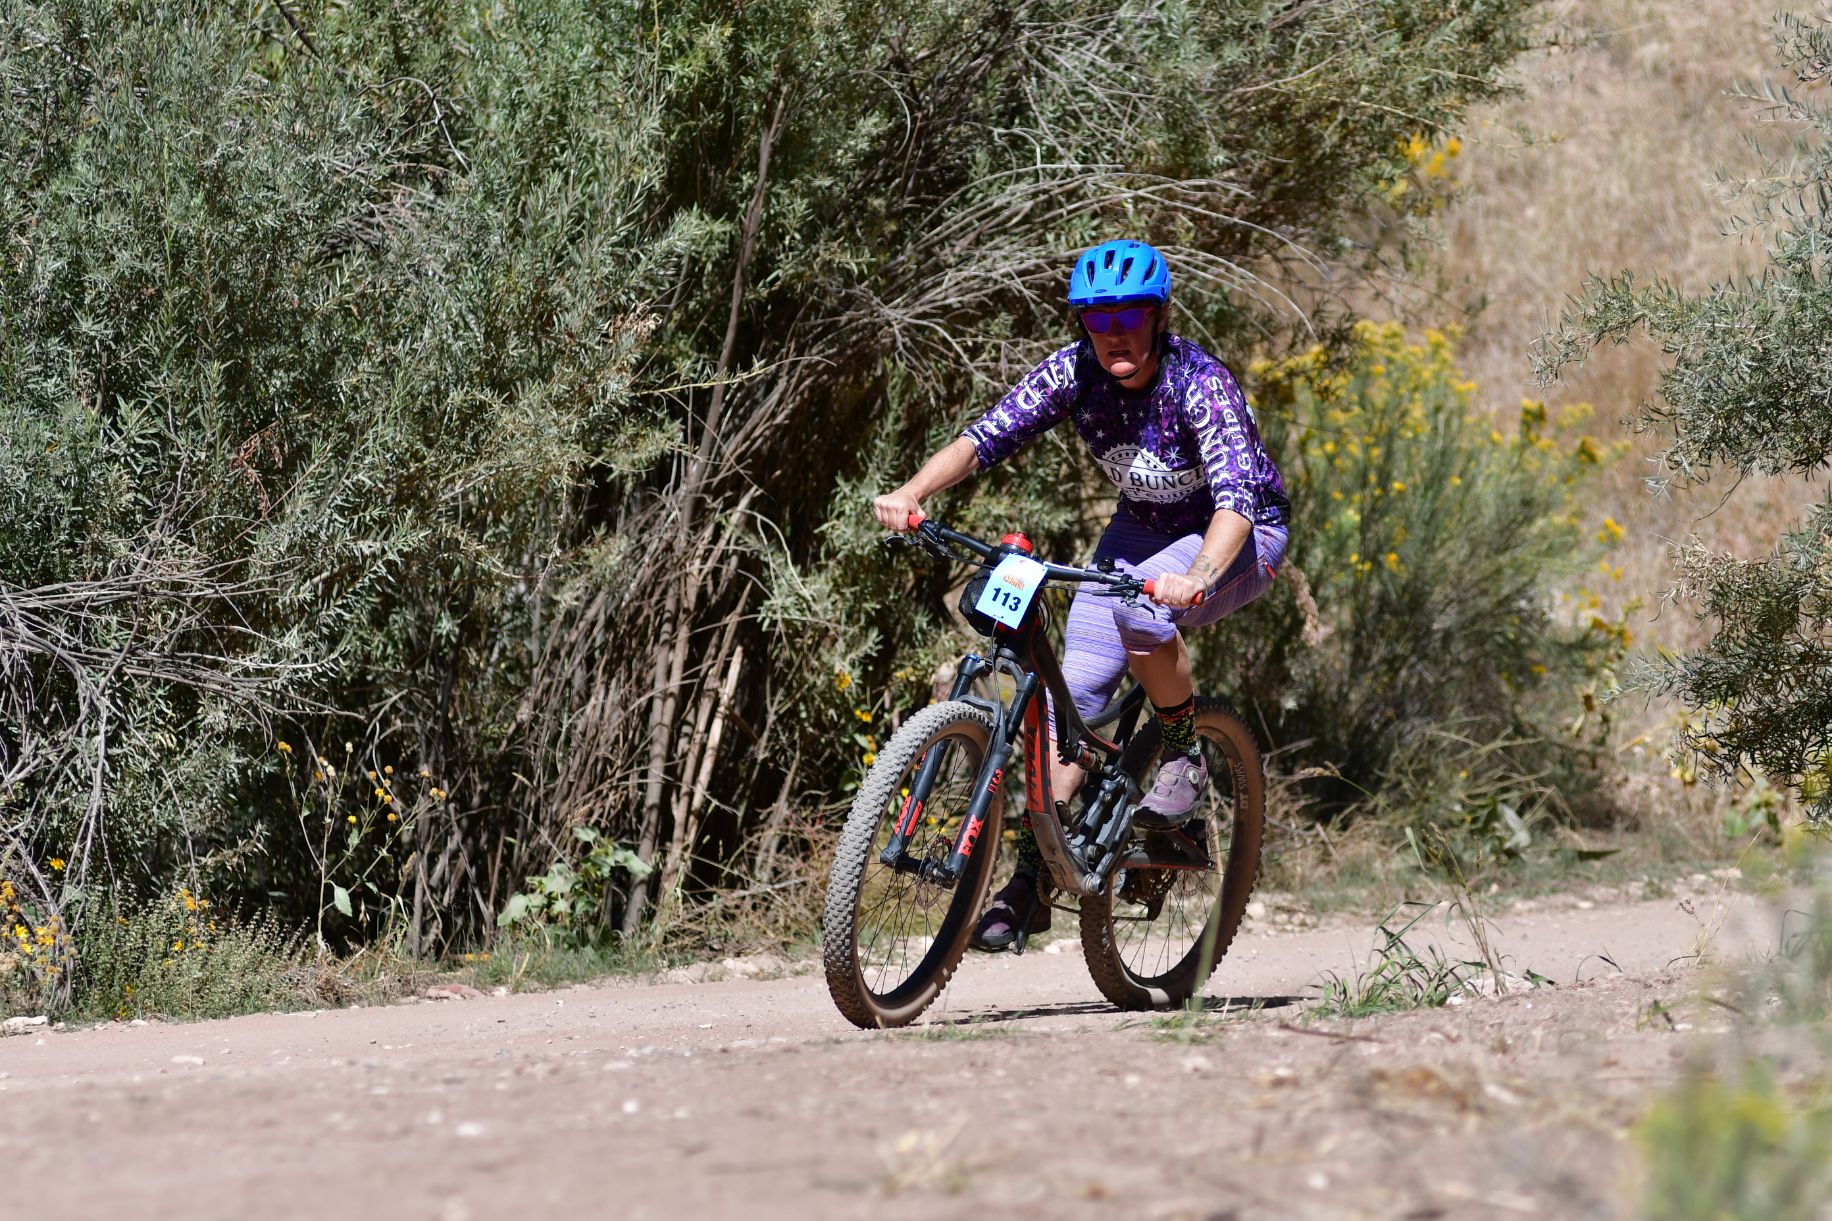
[(492, 389), (1417, 648), (569, 899), (178, 957), (1747, 1132), (1745, 1149)]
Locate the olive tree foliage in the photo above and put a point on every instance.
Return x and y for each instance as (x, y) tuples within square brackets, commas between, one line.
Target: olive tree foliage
[(1749, 391), (495, 390)]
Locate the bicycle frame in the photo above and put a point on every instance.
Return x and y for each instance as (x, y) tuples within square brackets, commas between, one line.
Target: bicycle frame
[(1079, 859)]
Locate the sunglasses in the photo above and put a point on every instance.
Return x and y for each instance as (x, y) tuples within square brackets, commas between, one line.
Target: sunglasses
[(1126, 319)]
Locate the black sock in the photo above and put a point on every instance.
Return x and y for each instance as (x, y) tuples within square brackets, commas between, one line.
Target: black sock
[(1179, 724)]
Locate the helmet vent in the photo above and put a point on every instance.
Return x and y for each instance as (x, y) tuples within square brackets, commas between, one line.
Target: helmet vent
[(1117, 273)]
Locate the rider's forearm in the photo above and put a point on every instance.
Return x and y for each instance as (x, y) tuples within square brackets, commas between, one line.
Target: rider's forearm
[(1221, 543), (949, 465)]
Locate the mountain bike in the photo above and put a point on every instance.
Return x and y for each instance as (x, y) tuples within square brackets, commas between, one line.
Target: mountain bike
[(1157, 908)]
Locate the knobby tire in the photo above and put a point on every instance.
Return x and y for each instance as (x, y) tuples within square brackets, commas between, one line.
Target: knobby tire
[(1229, 742), (966, 731)]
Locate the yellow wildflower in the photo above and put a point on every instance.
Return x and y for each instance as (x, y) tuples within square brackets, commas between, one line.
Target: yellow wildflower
[(285, 749), (388, 771), (57, 865), (864, 714), (868, 758), (1611, 532), (1392, 561), (351, 819), (841, 680), (391, 816), (1399, 485)]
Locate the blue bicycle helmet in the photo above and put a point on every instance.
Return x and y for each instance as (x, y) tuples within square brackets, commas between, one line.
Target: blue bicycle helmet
[(1118, 271)]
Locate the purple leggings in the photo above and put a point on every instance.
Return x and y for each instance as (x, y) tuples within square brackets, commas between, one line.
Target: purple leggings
[(1101, 630)]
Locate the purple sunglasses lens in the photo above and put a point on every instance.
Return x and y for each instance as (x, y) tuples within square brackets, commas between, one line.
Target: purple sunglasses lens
[(1125, 320)]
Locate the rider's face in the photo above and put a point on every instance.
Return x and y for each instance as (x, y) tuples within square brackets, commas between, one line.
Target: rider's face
[(1131, 356)]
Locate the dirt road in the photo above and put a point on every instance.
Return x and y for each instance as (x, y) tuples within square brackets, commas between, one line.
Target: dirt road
[(1026, 1096)]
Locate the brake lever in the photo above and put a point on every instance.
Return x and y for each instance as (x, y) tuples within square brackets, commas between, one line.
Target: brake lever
[(891, 542)]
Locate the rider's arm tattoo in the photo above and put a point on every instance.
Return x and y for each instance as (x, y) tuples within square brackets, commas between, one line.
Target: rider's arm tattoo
[(1204, 569)]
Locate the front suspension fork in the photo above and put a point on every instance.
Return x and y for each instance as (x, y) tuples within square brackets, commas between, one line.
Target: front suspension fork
[(895, 853)]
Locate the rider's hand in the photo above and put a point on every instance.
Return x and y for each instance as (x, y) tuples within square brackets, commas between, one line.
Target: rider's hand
[(893, 509), (1176, 590)]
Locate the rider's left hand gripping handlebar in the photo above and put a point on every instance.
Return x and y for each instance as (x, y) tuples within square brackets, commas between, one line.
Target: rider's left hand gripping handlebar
[(1151, 589)]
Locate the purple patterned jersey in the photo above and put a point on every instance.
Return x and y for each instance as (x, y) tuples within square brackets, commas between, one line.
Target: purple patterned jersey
[(1178, 451)]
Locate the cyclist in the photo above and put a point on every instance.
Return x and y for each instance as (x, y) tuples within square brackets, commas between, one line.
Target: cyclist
[(1202, 510)]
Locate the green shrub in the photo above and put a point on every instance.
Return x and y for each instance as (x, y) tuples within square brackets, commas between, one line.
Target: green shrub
[(492, 388), (178, 957), (1743, 1149), (569, 900), (1747, 1131), (1418, 650)]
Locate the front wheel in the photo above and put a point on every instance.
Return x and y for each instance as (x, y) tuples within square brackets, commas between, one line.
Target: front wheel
[(891, 939), (1154, 934)]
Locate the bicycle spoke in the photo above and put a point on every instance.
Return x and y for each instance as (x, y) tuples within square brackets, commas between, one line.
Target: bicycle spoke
[(1152, 949)]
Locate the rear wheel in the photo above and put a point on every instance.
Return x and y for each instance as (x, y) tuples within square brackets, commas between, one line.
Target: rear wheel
[(892, 939), (1154, 934)]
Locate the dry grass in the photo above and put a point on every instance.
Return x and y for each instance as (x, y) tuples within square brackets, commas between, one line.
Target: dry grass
[(1610, 158)]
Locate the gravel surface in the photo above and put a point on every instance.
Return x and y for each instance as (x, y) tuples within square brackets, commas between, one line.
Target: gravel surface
[(1024, 1095)]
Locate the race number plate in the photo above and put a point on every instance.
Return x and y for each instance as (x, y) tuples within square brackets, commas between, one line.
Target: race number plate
[(1009, 590)]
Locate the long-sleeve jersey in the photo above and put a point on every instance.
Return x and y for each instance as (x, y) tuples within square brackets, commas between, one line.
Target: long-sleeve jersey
[(1178, 450)]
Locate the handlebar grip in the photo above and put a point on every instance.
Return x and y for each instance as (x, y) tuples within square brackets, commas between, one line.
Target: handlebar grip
[(1151, 591), (917, 518)]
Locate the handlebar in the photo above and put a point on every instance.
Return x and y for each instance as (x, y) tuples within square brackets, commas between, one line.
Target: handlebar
[(937, 535)]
